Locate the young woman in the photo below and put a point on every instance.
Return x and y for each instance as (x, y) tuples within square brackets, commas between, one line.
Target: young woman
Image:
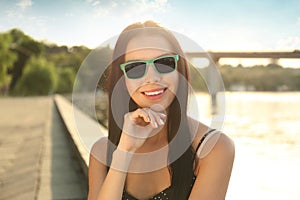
[(154, 150)]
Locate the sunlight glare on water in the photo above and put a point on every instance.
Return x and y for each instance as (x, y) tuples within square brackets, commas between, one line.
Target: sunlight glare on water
[(266, 131)]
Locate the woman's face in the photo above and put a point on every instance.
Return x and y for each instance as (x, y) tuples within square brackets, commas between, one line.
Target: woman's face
[(153, 87)]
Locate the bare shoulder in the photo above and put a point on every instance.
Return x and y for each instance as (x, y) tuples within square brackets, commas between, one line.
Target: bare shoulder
[(226, 142), (197, 130), (213, 170), (99, 149), (223, 147), (221, 152)]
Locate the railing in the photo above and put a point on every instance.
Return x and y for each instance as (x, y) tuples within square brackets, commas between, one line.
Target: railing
[(83, 141)]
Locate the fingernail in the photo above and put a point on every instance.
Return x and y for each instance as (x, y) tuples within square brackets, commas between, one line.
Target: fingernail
[(148, 118), (161, 121), (163, 115), (155, 124)]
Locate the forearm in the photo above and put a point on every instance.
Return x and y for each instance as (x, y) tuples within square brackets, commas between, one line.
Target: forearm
[(113, 185)]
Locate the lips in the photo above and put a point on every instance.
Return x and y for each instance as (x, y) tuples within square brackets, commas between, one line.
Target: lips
[(154, 93)]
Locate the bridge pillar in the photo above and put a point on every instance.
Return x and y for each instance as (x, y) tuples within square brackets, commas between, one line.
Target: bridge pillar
[(215, 59), (274, 61), (211, 76), (213, 85)]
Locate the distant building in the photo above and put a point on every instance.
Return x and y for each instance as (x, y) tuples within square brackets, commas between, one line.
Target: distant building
[(282, 88), (241, 87)]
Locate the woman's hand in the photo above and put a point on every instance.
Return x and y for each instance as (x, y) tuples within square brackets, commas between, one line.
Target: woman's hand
[(138, 126)]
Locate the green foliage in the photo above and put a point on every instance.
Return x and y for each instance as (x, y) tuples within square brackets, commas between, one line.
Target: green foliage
[(105, 55), (97, 63), (66, 57), (198, 84), (261, 78), (16, 49), (24, 44), (25, 47), (39, 78), (67, 61), (7, 57), (66, 78)]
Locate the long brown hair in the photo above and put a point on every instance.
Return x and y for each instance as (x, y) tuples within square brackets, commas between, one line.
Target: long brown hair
[(181, 168)]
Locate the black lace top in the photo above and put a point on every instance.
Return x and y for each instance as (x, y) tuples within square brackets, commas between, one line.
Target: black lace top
[(165, 194)]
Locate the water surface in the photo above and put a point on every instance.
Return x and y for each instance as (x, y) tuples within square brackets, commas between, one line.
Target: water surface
[(266, 130)]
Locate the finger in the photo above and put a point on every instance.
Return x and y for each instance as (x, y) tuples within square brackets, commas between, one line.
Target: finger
[(140, 113), (163, 115), (159, 117), (160, 121), (152, 119)]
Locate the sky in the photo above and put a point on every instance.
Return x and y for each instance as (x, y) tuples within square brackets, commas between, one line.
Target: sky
[(215, 25)]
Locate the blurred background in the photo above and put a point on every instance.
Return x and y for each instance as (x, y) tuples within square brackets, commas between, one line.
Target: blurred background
[(256, 46)]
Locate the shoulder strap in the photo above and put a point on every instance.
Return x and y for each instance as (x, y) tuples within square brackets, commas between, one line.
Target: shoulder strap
[(202, 139)]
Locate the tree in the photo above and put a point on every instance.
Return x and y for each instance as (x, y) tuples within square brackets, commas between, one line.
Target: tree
[(66, 77), (39, 78), (25, 47), (63, 56), (7, 58), (97, 62)]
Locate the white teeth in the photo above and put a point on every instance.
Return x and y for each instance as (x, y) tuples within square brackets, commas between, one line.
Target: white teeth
[(154, 93)]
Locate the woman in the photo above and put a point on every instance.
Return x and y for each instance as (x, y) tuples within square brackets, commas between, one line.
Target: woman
[(150, 70)]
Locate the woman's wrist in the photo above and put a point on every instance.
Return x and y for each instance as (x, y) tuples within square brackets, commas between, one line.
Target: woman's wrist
[(121, 160), (124, 146)]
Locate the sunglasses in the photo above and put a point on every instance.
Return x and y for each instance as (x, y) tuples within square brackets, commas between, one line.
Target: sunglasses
[(138, 69)]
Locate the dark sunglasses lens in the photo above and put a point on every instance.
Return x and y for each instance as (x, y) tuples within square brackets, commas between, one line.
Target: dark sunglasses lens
[(135, 70), (165, 65)]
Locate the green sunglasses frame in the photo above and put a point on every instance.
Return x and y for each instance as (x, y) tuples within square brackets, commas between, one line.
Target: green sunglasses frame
[(151, 61)]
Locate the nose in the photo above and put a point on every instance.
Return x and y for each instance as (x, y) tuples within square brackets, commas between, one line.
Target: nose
[(152, 75)]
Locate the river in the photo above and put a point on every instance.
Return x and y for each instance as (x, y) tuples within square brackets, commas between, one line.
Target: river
[(265, 127)]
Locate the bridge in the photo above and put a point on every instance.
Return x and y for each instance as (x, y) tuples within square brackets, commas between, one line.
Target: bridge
[(273, 55), (210, 73)]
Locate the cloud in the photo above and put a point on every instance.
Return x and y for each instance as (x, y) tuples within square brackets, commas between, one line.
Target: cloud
[(13, 14), (93, 2), (17, 12), (130, 9), (289, 43), (24, 4), (231, 39)]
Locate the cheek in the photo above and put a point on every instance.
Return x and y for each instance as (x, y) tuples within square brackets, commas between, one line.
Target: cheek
[(131, 86), (173, 80)]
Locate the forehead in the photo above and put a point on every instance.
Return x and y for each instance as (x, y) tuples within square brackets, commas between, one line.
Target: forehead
[(147, 47)]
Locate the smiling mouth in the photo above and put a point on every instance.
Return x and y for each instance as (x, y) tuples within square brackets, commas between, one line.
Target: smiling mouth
[(154, 93)]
